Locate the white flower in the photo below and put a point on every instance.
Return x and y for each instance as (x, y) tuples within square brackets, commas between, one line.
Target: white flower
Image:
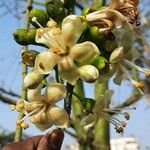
[(41, 109), (63, 48)]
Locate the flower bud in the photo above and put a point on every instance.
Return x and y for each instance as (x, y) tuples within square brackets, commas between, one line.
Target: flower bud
[(33, 80), (40, 15), (25, 37), (99, 62), (88, 73), (28, 57), (88, 104), (55, 9), (59, 116)]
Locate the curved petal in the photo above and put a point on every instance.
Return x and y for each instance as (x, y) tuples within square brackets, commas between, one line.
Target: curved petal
[(55, 92), (45, 62), (59, 116), (34, 94), (68, 70), (71, 30), (84, 52), (118, 76), (43, 127), (88, 120)]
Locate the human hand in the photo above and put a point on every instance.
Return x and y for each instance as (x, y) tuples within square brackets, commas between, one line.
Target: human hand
[(51, 141)]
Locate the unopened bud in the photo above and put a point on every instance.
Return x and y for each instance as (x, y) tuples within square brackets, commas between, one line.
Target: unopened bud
[(33, 80), (41, 17), (88, 73), (28, 57)]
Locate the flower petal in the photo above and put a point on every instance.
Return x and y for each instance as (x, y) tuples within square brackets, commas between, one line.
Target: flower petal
[(45, 62), (59, 116), (118, 77), (34, 94), (71, 30), (68, 70), (84, 52), (115, 4), (55, 92), (88, 120)]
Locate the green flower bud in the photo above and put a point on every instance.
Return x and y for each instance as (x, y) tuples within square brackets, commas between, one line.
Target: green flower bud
[(94, 32), (88, 104), (40, 15), (99, 62), (25, 37), (88, 73), (33, 80), (28, 57), (55, 10)]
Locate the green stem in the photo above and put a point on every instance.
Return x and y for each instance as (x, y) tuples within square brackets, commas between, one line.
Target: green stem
[(102, 127), (18, 133)]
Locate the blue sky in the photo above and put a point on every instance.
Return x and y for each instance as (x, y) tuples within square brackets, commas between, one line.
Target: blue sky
[(10, 78)]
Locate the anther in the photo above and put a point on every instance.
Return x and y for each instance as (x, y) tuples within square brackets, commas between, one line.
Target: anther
[(24, 125), (123, 123), (51, 24), (126, 115), (12, 107), (139, 85)]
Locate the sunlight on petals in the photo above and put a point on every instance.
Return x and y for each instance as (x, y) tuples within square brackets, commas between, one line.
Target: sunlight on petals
[(68, 70), (45, 62), (59, 116), (55, 92), (84, 52), (71, 30)]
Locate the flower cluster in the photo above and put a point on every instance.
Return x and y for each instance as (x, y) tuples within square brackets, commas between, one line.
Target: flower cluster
[(71, 55), (41, 109)]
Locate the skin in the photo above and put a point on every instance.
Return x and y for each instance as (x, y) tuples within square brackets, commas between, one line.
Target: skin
[(51, 141)]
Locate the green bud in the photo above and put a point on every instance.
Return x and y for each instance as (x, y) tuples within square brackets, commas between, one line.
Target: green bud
[(99, 62), (40, 15), (25, 37), (88, 104), (55, 10), (94, 32), (28, 57)]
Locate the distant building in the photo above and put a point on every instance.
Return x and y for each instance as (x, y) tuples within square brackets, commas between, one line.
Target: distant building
[(126, 143)]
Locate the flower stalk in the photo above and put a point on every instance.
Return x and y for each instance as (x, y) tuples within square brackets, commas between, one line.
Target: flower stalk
[(18, 133)]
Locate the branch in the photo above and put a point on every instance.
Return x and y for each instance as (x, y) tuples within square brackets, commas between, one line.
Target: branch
[(131, 100), (7, 100), (79, 6), (9, 92)]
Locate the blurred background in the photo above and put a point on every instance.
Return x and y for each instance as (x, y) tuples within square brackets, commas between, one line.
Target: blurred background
[(12, 17)]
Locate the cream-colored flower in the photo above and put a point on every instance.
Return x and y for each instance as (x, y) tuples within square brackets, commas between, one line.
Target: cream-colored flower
[(41, 109), (118, 13), (120, 60), (101, 110), (63, 48)]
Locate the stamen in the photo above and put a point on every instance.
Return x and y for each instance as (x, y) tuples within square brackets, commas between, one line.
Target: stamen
[(130, 64), (136, 84), (13, 107), (51, 24), (126, 115), (34, 19)]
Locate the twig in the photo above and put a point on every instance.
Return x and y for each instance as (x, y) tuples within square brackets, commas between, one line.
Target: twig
[(7, 100), (68, 99), (79, 6), (9, 92), (71, 134)]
